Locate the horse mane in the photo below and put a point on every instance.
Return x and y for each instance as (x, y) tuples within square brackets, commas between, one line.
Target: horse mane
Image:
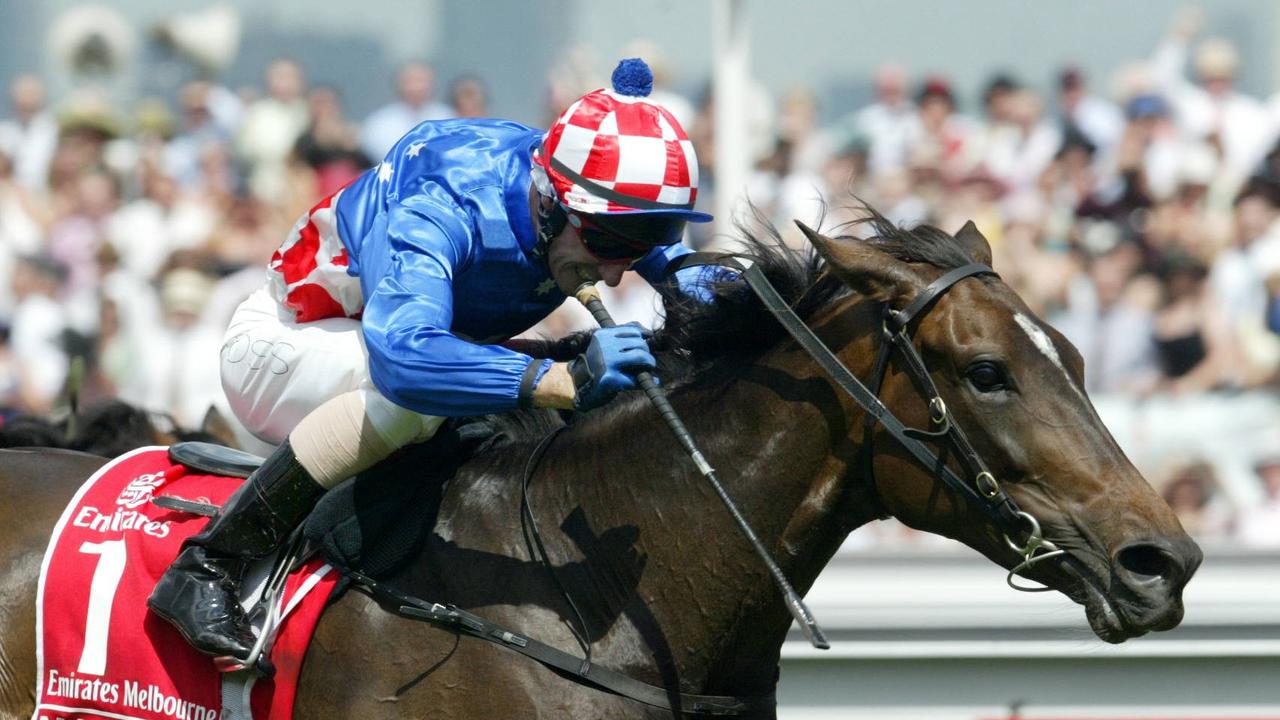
[(108, 427), (712, 342)]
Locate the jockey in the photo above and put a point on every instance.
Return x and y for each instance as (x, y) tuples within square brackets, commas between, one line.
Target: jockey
[(382, 308)]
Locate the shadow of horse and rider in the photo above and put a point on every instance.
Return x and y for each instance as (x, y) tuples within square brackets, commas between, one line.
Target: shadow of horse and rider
[(662, 585), (386, 518)]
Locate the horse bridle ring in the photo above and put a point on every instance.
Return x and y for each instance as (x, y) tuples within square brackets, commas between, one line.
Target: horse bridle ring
[(938, 410)]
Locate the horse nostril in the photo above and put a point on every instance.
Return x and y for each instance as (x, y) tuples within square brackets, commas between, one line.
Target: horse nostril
[(1149, 560)]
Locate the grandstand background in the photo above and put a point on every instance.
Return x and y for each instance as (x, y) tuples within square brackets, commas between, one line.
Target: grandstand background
[(132, 240), (828, 45)]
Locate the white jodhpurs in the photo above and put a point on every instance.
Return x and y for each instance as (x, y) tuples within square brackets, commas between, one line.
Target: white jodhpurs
[(276, 372)]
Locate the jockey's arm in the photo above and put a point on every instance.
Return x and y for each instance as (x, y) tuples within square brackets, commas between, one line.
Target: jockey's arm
[(414, 360), (652, 267), (556, 389), (694, 282)]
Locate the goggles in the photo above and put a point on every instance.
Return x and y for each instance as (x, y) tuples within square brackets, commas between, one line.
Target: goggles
[(616, 236)]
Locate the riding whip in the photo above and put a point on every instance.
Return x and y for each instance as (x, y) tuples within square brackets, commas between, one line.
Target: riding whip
[(590, 298)]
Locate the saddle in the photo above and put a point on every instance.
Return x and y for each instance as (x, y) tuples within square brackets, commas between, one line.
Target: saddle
[(115, 538), (374, 523)]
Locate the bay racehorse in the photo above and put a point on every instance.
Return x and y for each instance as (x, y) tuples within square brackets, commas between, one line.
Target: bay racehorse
[(667, 590)]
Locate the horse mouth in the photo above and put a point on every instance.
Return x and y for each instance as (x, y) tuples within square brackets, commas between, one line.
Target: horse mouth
[(1105, 617)]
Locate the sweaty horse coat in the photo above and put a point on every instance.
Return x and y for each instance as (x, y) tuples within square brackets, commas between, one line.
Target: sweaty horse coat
[(670, 593)]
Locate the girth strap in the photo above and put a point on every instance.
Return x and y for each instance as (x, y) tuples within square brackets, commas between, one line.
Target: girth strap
[(465, 623)]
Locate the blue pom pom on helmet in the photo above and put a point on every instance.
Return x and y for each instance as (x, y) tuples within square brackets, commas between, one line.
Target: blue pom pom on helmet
[(597, 173), (632, 77)]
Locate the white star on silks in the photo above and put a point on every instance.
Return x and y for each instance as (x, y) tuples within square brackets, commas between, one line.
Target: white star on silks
[(415, 148), (384, 172), (546, 286)]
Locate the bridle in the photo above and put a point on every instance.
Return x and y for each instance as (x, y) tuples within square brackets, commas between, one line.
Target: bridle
[(1001, 508), (982, 490)]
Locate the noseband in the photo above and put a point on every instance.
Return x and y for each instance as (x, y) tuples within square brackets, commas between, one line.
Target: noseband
[(982, 490)]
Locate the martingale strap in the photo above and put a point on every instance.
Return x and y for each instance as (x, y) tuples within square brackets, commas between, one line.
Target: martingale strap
[(991, 499), (465, 623)]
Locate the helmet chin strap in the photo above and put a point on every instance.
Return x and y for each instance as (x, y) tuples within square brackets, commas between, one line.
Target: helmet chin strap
[(551, 222)]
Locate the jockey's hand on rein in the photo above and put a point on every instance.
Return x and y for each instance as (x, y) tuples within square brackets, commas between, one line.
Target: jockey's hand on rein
[(609, 365)]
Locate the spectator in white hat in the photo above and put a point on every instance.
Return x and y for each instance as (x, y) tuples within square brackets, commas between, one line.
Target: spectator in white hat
[(1212, 109)]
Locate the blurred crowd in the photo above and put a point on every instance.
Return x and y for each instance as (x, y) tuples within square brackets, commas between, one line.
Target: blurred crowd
[(128, 241), (1142, 220)]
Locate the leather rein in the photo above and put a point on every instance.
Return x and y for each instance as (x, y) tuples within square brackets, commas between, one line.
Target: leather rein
[(982, 490)]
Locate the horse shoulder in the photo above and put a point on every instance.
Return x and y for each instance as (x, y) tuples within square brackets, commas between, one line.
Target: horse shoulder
[(36, 485), (365, 661)]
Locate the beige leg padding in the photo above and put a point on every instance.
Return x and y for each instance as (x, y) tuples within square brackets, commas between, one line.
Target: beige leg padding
[(353, 432)]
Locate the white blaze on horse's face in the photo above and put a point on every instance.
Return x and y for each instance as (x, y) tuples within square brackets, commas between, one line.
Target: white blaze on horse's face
[(1043, 343)]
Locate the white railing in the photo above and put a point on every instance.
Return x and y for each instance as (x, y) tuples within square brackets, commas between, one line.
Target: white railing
[(936, 634), (940, 602)]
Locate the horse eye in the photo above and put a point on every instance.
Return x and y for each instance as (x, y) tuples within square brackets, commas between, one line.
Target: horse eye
[(987, 377)]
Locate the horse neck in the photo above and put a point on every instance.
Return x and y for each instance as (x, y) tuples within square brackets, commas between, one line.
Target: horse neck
[(778, 435)]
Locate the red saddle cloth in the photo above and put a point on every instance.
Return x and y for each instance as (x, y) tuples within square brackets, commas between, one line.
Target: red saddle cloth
[(101, 653)]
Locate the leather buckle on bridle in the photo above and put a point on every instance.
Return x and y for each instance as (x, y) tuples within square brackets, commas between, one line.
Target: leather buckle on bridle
[(987, 485), (938, 412)]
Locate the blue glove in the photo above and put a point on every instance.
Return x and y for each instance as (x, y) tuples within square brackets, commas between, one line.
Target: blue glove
[(696, 282), (609, 365)]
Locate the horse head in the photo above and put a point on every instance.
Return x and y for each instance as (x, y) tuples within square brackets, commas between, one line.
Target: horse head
[(1016, 387)]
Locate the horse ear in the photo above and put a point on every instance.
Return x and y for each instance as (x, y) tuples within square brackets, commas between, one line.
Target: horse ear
[(868, 271), (973, 241)]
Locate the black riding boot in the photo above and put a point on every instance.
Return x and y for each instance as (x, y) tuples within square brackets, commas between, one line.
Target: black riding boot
[(199, 593)]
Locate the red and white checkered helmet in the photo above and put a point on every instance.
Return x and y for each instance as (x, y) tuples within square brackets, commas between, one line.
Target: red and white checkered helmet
[(615, 152)]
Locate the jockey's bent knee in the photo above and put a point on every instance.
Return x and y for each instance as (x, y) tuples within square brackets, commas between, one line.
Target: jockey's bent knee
[(353, 432), (275, 371)]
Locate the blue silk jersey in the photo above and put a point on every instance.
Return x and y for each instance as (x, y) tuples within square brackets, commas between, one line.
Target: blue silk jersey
[(441, 238)]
